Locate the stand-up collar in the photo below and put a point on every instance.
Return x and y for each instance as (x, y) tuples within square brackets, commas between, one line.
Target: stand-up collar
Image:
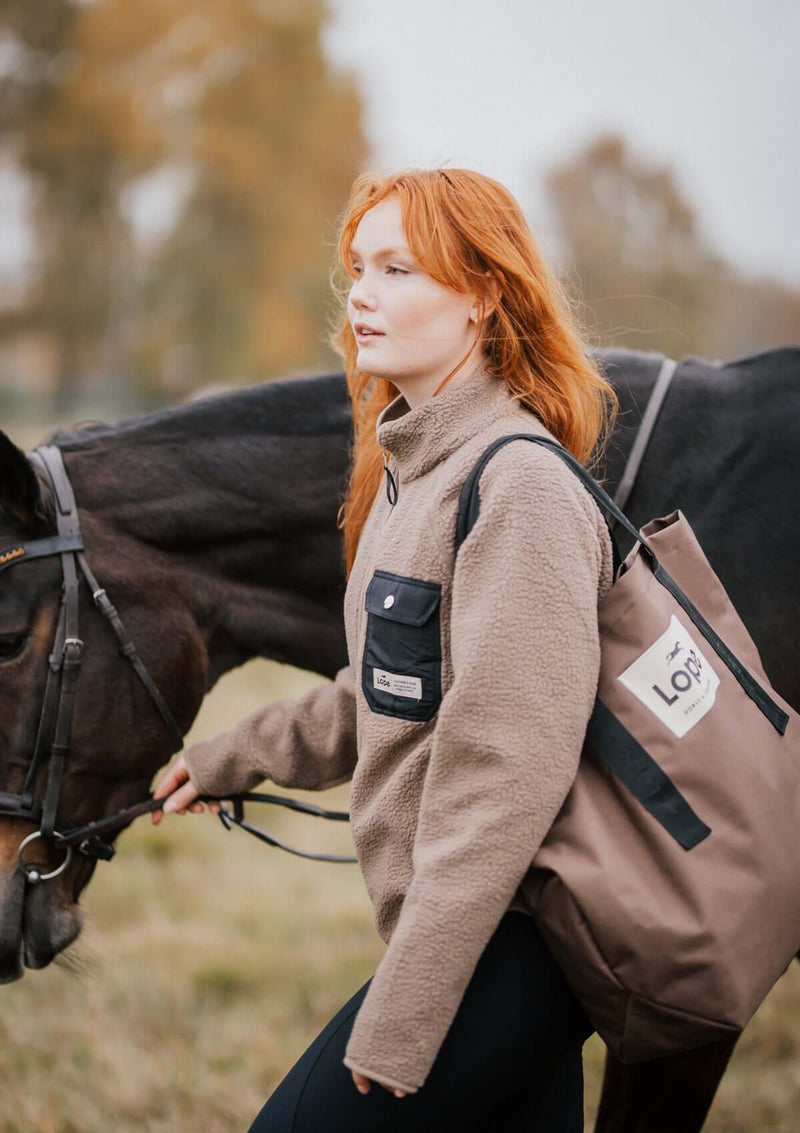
[(419, 438)]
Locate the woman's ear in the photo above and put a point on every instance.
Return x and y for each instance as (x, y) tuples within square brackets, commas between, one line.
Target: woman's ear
[(482, 308)]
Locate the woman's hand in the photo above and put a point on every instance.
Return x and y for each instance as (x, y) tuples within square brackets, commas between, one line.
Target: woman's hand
[(363, 1085), (181, 791)]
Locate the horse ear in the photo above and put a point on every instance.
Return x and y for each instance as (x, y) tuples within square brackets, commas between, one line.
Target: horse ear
[(19, 487)]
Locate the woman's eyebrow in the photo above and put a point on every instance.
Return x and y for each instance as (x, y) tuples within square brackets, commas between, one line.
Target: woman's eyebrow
[(383, 252)]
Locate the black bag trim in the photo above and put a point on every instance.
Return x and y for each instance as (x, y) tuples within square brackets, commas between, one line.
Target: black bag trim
[(636, 769)]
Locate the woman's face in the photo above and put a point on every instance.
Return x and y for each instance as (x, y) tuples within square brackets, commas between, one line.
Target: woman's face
[(425, 328)]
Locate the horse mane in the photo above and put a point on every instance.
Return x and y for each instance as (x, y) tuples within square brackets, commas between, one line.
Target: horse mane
[(303, 405), (63, 436)]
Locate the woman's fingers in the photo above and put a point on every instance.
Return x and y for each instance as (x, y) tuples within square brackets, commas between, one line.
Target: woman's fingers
[(179, 801), (176, 787), (363, 1085), (172, 778), (194, 808), (175, 774)]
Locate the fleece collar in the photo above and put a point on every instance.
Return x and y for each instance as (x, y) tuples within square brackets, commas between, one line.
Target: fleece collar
[(421, 437)]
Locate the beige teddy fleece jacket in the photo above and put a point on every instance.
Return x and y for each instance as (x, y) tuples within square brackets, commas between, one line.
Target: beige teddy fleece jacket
[(462, 712)]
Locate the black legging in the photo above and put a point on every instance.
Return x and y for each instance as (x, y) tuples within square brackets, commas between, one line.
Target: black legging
[(511, 1060)]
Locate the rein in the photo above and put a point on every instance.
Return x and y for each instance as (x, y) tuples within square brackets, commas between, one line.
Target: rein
[(55, 721)]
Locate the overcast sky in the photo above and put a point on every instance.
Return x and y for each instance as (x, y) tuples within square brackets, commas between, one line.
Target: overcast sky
[(508, 87)]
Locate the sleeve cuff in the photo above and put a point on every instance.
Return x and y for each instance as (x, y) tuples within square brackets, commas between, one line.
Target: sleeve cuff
[(216, 769)]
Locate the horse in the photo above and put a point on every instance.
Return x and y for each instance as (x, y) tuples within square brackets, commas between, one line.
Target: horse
[(212, 527)]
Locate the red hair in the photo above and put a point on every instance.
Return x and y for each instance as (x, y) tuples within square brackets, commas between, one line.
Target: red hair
[(469, 233)]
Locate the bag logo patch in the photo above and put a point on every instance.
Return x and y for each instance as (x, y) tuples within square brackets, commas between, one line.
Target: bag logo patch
[(397, 684), (674, 679)]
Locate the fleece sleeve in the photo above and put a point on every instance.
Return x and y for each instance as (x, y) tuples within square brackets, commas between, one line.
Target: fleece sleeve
[(308, 743), (510, 728)]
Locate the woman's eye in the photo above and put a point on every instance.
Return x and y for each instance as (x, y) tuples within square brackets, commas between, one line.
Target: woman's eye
[(11, 645), (390, 267)]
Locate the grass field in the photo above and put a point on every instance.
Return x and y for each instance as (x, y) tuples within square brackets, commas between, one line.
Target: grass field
[(209, 962)]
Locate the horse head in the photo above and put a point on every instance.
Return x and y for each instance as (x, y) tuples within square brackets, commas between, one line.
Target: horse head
[(117, 738)]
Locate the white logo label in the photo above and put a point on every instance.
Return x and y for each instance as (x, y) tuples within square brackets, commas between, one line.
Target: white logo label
[(673, 679), (397, 684)]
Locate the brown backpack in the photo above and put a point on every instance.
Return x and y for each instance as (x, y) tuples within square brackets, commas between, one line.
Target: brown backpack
[(668, 887)]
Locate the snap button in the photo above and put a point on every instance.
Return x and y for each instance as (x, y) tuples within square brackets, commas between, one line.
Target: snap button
[(388, 602)]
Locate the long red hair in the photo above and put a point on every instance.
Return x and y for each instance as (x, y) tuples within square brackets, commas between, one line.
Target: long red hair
[(461, 225)]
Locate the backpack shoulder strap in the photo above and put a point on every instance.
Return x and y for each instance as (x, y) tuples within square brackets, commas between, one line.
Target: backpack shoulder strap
[(469, 509), (469, 502)]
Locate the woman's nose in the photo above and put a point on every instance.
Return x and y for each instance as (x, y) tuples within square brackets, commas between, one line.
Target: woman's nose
[(361, 295)]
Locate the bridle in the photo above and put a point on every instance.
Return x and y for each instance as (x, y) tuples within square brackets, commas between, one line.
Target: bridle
[(55, 720)]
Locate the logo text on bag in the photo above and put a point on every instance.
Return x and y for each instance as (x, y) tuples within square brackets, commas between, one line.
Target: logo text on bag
[(397, 684), (673, 678)]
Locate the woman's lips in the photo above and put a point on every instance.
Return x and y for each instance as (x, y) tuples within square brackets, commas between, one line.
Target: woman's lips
[(366, 337)]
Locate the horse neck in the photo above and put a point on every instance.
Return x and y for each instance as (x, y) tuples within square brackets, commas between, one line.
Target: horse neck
[(228, 506)]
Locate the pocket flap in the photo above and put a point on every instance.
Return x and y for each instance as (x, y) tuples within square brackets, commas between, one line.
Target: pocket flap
[(400, 599)]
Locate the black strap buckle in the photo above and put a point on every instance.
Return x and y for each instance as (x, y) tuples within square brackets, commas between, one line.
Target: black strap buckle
[(94, 847)]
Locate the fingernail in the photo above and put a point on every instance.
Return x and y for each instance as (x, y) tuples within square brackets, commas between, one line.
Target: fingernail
[(398, 1093)]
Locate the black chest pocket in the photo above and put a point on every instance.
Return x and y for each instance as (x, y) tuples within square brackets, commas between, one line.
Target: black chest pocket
[(401, 674)]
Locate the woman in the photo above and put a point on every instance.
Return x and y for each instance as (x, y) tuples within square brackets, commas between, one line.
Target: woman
[(461, 715)]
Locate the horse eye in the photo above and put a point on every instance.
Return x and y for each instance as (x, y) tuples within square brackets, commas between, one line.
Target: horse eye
[(11, 645)]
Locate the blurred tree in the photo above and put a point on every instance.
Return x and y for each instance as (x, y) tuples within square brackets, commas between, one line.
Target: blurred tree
[(274, 139), (79, 140), (34, 40), (746, 315), (237, 94), (646, 272), (633, 242)]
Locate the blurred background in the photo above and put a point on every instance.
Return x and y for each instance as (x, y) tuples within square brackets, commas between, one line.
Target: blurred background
[(171, 177), (172, 173)]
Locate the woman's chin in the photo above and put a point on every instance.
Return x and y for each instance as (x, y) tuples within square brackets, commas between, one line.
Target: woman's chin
[(369, 361)]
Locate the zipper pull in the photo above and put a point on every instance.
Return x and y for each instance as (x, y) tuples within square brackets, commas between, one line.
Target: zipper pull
[(391, 485)]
